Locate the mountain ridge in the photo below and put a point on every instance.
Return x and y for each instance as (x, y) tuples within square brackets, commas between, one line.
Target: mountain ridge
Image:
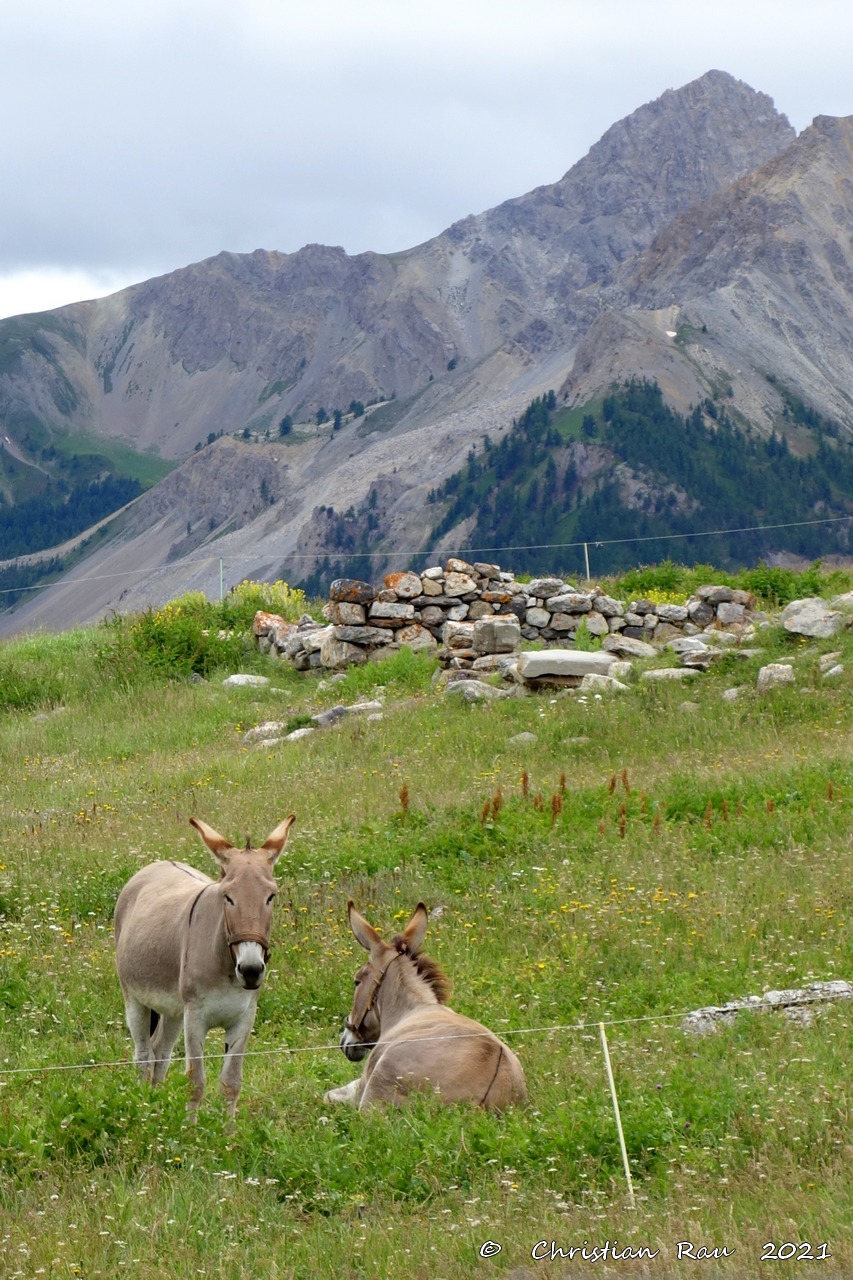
[(572, 286)]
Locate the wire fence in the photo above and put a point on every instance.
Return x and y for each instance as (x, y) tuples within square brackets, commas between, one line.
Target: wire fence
[(588, 1027), (420, 552)]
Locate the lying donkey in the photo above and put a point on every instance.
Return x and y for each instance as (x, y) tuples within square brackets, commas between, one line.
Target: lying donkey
[(192, 953), (417, 1042)]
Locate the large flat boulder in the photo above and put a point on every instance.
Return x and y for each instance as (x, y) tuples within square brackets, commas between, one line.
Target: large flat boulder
[(812, 617), (548, 663)]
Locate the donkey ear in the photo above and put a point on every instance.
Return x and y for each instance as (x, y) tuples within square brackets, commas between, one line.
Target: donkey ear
[(415, 931), (216, 843), (365, 934), (277, 839)]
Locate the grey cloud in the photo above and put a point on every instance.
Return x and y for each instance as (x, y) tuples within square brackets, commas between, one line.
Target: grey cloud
[(160, 139)]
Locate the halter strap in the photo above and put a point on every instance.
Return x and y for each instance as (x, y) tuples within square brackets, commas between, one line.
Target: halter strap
[(232, 939), (235, 939), (371, 1000)]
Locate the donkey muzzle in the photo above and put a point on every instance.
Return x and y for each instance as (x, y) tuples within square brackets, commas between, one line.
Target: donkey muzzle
[(352, 1047), (250, 963)]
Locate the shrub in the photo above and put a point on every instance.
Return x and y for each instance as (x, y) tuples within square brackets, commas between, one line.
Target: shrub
[(193, 635), (778, 587), (239, 607), (184, 638)]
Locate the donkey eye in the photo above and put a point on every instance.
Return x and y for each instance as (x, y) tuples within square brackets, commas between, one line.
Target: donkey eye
[(229, 900), (270, 899)]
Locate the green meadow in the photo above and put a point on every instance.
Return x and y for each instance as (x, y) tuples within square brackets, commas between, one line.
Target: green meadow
[(646, 855)]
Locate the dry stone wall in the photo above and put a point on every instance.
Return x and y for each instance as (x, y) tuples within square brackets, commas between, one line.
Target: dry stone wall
[(472, 615)]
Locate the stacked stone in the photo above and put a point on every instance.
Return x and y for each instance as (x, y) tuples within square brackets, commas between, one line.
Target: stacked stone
[(418, 610), (298, 642), (470, 614)]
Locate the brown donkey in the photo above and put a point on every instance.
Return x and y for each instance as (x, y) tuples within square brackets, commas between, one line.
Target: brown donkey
[(417, 1042), (191, 954)]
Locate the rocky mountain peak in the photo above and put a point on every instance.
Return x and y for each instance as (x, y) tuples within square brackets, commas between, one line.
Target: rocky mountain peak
[(699, 243)]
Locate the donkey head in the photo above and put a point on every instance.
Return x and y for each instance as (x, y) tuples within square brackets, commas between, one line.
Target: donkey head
[(248, 888), (363, 1023)]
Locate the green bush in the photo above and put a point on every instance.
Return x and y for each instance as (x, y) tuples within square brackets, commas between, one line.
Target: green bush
[(773, 586), (777, 587), (184, 639), (239, 607), (192, 635)]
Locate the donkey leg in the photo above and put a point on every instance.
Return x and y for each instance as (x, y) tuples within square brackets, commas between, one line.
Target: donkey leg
[(194, 1033), (138, 1018), (236, 1039), (347, 1092), (162, 1043)]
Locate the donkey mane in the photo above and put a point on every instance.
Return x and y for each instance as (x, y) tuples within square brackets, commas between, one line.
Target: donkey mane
[(435, 976), (429, 970)]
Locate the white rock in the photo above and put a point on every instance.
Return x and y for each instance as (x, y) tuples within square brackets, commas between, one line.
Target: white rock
[(594, 683), (811, 617), (774, 675), (627, 647), (537, 663), (263, 732)]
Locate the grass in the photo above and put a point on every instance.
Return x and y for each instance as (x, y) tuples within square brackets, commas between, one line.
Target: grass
[(642, 859), (147, 468)]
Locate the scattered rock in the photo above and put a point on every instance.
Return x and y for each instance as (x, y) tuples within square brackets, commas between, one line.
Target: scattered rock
[(595, 683), (625, 646), (812, 617), (304, 732), (793, 1003), (474, 691), (264, 733), (325, 719), (774, 676)]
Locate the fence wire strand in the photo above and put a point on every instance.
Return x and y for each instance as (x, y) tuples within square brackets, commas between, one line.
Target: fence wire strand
[(590, 1027), (287, 556)]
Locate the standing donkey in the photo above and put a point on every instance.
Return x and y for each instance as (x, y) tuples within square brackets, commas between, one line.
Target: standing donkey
[(191, 954), (417, 1042)]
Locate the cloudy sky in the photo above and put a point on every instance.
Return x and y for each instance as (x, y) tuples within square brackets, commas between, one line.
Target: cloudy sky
[(142, 136)]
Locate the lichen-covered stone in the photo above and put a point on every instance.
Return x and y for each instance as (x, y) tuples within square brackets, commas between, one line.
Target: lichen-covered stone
[(458, 583), (351, 591), (405, 585)]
